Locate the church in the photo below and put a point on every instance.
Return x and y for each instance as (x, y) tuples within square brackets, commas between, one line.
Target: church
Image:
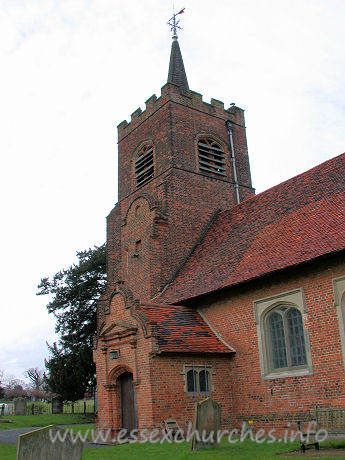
[(211, 289)]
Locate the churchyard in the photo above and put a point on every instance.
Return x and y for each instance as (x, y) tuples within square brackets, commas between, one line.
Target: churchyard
[(181, 451), (45, 408)]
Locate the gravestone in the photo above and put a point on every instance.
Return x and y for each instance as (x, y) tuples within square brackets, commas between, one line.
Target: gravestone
[(20, 406), (57, 405), (38, 444), (206, 422)]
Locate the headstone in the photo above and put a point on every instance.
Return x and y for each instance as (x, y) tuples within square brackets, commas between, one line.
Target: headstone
[(39, 445), (57, 405), (20, 406), (207, 424)]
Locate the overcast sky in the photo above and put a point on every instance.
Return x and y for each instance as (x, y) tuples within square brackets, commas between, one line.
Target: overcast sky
[(72, 70)]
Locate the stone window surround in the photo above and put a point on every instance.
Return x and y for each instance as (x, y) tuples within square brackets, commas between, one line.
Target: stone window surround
[(262, 307), (339, 303), (197, 368)]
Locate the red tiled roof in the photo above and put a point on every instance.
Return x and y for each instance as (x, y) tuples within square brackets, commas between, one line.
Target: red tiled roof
[(180, 329), (292, 223)]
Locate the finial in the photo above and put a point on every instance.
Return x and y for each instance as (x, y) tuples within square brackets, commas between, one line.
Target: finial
[(173, 23)]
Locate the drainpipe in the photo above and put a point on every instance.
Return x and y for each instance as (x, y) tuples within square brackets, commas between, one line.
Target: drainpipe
[(232, 159)]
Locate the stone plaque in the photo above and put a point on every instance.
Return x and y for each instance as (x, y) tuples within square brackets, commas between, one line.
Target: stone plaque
[(39, 445), (57, 405), (20, 406), (207, 423)]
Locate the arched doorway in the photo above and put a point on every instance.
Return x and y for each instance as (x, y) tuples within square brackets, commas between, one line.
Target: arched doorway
[(128, 402)]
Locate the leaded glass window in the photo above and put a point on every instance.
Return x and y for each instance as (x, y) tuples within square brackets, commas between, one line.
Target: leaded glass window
[(278, 340), (296, 336), (198, 380), (204, 381), (286, 338), (191, 381)]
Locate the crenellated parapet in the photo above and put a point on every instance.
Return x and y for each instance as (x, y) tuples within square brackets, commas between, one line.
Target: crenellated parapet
[(170, 92)]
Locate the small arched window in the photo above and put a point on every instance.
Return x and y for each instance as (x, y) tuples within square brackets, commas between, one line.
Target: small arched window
[(339, 302), (211, 156), (192, 381), (286, 338), (144, 167), (198, 381), (204, 381)]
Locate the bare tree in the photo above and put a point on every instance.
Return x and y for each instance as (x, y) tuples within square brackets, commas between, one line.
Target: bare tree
[(14, 387), (36, 376)]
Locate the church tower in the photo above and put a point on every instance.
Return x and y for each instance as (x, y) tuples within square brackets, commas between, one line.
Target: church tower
[(176, 323), (181, 160)]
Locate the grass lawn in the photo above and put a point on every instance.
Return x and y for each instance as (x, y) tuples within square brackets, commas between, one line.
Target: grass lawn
[(226, 451), (8, 452), (147, 451), (23, 421), (238, 451)]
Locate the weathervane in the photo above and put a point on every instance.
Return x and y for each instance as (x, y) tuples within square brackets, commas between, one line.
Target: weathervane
[(173, 23)]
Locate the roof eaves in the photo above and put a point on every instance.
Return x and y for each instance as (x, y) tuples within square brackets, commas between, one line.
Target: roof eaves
[(258, 277)]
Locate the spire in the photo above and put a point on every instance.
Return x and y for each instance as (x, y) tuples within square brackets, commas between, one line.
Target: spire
[(177, 73)]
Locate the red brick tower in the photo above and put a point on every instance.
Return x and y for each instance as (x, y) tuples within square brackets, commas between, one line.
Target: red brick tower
[(176, 169), (180, 162)]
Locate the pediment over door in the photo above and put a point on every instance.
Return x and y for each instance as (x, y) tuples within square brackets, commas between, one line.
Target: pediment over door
[(117, 330)]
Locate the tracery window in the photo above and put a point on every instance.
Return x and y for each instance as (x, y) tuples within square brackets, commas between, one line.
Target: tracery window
[(284, 346), (211, 156), (144, 167), (286, 338)]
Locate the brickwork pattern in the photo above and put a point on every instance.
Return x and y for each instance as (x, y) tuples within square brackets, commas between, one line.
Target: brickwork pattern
[(181, 234), (281, 398)]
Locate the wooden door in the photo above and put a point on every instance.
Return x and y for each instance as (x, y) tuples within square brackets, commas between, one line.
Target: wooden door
[(128, 402)]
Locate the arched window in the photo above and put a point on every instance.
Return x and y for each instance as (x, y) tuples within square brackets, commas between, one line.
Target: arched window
[(339, 302), (204, 381), (198, 380), (284, 347), (144, 167), (211, 156), (286, 338), (192, 381)]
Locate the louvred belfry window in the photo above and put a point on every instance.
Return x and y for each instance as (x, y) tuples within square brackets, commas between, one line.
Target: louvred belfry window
[(211, 156), (144, 168)]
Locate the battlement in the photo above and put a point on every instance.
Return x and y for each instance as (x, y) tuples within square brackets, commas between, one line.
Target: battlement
[(171, 92)]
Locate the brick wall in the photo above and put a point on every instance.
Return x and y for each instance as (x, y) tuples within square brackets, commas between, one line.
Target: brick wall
[(150, 232), (280, 399), (170, 399), (159, 380), (134, 357), (180, 200)]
